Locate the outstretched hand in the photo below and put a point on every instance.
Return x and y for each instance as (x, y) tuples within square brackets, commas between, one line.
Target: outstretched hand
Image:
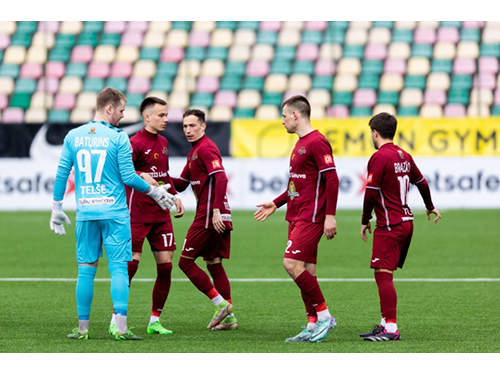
[(265, 210)]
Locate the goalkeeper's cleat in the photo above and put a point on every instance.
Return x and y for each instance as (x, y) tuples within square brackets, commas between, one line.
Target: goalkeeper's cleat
[(228, 323), (303, 336), (126, 336), (375, 331), (112, 329), (222, 310), (322, 328), (75, 334), (156, 327)]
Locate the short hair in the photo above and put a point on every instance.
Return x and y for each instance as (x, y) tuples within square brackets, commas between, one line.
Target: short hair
[(300, 104), (109, 95), (196, 112), (150, 101), (385, 124)]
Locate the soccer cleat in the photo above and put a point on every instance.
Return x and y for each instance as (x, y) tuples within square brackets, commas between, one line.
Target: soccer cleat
[(228, 323), (322, 328), (112, 329), (375, 331), (156, 327), (75, 334), (126, 336), (222, 310), (384, 336), (303, 336)]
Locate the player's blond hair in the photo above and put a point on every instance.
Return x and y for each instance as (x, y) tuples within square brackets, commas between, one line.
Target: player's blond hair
[(109, 95)]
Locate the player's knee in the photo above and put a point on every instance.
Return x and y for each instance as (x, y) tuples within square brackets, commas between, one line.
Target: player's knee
[(185, 264), (293, 267), (117, 268)]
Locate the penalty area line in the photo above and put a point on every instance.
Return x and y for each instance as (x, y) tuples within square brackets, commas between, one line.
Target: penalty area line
[(252, 280)]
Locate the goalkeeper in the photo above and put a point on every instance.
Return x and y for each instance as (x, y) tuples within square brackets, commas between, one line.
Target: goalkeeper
[(101, 156)]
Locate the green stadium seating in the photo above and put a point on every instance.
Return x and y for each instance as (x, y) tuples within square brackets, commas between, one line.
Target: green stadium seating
[(202, 99), (76, 69), (87, 38), (110, 39), (150, 53), (253, 83), (195, 53), (93, 84), (495, 110), (272, 98), (458, 96), (231, 25), (182, 25), (252, 25), (489, 50), (230, 81), (422, 50), (444, 66), (361, 112), (59, 116), (372, 66), (65, 40), (415, 81), (281, 66), (167, 68), (267, 37), (243, 112), (118, 83), (9, 70), (456, 24), (134, 99), (20, 100), (284, 52), (461, 81), (25, 86), (322, 82), (93, 26), (162, 83), (311, 37), (388, 97), (218, 53), (21, 39), (383, 24), (28, 27), (408, 111), (470, 35), (60, 53), (237, 67), (402, 35), (342, 97), (353, 50), (369, 81), (303, 67)]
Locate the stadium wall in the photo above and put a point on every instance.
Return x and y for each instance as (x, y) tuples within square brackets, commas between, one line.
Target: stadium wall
[(471, 180)]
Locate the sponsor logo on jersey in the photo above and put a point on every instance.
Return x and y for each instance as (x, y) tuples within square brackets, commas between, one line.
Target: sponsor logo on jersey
[(296, 175), (374, 260), (370, 177), (195, 182), (302, 150), (215, 163), (90, 201), (328, 159), (226, 217), (189, 249), (92, 130), (147, 152), (156, 155), (292, 192)]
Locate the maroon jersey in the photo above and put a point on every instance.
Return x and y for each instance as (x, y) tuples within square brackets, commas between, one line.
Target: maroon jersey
[(391, 170), (150, 155), (204, 162), (313, 183)]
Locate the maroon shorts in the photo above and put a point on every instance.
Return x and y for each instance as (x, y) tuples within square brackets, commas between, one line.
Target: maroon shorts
[(303, 240), (206, 243), (390, 247), (160, 236)]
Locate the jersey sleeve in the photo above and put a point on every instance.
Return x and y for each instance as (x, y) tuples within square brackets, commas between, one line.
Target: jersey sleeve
[(126, 166), (212, 160), (375, 171), (63, 171), (323, 156)]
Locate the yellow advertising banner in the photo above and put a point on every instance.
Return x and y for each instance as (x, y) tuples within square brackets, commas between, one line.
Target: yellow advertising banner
[(352, 137)]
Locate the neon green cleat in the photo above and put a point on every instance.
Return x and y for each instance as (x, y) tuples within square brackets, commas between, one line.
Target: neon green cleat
[(222, 310), (228, 323), (75, 334), (112, 329), (156, 327), (303, 336), (126, 336)]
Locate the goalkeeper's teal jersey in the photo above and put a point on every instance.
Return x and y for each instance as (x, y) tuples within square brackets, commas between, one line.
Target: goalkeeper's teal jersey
[(101, 156)]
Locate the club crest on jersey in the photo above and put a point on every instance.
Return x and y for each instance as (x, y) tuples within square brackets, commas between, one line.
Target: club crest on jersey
[(215, 163), (194, 156), (328, 159), (92, 130), (401, 154), (165, 150), (302, 150)]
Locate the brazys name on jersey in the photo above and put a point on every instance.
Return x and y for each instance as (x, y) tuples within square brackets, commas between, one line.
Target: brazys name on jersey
[(403, 167), (91, 141)]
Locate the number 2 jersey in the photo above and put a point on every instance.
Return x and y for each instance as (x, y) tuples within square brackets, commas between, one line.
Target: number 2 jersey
[(391, 170), (312, 183), (149, 155), (100, 154)]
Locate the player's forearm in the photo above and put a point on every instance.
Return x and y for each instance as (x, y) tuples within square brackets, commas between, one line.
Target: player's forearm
[(368, 205), (281, 200), (172, 189), (425, 192), (129, 175), (179, 184), (332, 191), (220, 189), (62, 174)]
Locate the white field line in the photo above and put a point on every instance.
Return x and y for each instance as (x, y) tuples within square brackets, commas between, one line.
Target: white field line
[(6, 279)]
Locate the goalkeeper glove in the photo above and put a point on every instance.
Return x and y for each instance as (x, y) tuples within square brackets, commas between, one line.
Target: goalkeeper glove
[(57, 218), (164, 199)]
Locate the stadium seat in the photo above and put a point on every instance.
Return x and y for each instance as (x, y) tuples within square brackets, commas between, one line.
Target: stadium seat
[(207, 84), (364, 98), (14, 55), (391, 82), (418, 66), (481, 95), (144, 68), (438, 81), (35, 115), (248, 99), (415, 81), (43, 39), (244, 112), (356, 36), (59, 116), (478, 110), (361, 111), (42, 99), (267, 112), (407, 111), (485, 80), (347, 65), (422, 50), (488, 65), (60, 53), (464, 66), (12, 115), (399, 50), (395, 66), (448, 34), (372, 66), (220, 113), (276, 83), (441, 66), (184, 84), (289, 38), (388, 108), (428, 24), (177, 38), (231, 25), (202, 99), (330, 51), (444, 50), (345, 82), (81, 115), (64, 101), (46, 84), (467, 50), (410, 97), (86, 99), (20, 100), (82, 54), (368, 81), (93, 84), (402, 35), (9, 70), (342, 98), (70, 85), (318, 97), (258, 68), (454, 110), (299, 82), (461, 81), (322, 82), (253, 83), (25, 86), (353, 50), (31, 70), (173, 54), (204, 26), (324, 67), (424, 36), (379, 35), (307, 52), (491, 35), (239, 53), (458, 96), (225, 98), (431, 111), (435, 96), (338, 111), (132, 114), (98, 69)]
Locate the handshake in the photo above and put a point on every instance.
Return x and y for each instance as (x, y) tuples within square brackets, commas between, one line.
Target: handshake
[(160, 194)]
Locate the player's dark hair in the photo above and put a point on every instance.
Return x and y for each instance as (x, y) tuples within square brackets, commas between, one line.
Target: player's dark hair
[(195, 112), (300, 104), (109, 95), (150, 101), (385, 124)]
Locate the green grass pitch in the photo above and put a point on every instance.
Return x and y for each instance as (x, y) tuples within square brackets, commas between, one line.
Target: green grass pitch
[(454, 316)]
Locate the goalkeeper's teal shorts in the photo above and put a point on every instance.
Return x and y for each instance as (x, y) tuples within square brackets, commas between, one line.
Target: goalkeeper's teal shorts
[(115, 234)]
